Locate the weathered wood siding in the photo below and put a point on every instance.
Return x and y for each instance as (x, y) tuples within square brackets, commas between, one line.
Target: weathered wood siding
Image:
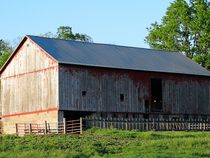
[(29, 82), (181, 94), (102, 92), (186, 95)]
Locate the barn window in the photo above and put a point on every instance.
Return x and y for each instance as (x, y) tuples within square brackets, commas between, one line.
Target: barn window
[(122, 97), (84, 93)]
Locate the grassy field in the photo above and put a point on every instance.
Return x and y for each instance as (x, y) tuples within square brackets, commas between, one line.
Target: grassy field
[(108, 143)]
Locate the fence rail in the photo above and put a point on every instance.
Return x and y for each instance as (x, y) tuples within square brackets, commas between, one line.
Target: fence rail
[(140, 124), (149, 124), (65, 127)]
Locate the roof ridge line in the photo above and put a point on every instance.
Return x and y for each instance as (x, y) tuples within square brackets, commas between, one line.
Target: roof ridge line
[(107, 44)]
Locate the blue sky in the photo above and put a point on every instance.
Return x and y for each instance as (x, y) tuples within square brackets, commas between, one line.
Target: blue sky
[(119, 22)]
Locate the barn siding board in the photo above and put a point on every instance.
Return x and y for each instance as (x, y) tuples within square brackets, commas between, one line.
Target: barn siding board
[(209, 99), (37, 92), (29, 82), (182, 94), (29, 58), (186, 96)]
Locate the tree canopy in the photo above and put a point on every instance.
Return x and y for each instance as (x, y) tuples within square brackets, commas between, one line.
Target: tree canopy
[(65, 32), (185, 28), (5, 51)]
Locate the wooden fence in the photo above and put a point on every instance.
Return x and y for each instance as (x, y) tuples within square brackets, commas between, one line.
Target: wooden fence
[(140, 124), (148, 124), (65, 127), (1, 127)]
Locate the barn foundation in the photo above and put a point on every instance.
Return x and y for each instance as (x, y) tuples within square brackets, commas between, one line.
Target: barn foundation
[(8, 123)]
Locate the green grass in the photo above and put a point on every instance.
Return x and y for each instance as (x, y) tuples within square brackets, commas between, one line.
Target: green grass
[(108, 143)]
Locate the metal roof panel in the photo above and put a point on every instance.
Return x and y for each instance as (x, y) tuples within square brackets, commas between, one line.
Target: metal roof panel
[(114, 56)]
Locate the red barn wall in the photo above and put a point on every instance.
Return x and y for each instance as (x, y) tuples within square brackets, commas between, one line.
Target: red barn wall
[(182, 94)]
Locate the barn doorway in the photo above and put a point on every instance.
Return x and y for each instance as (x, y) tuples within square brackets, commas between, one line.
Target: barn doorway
[(74, 115), (156, 95)]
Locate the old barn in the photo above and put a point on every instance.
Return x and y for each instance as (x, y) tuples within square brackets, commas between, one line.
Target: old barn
[(48, 79)]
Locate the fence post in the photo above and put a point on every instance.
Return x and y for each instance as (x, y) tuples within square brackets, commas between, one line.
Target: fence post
[(45, 127), (16, 128), (30, 129), (80, 125), (126, 124), (153, 124), (103, 119), (64, 125)]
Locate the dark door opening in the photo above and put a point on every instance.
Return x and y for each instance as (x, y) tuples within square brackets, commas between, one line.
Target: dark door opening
[(156, 95), (74, 115)]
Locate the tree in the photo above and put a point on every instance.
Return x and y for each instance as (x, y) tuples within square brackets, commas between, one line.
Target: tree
[(65, 32), (3, 58), (203, 59), (4, 47), (184, 28), (5, 51)]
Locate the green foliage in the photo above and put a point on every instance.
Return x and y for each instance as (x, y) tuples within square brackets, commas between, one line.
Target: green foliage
[(184, 28), (203, 59), (65, 32), (3, 58), (108, 143), (4, 47), (5, 51)]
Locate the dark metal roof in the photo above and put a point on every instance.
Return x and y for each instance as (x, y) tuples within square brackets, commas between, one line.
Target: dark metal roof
[(122, 57)]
